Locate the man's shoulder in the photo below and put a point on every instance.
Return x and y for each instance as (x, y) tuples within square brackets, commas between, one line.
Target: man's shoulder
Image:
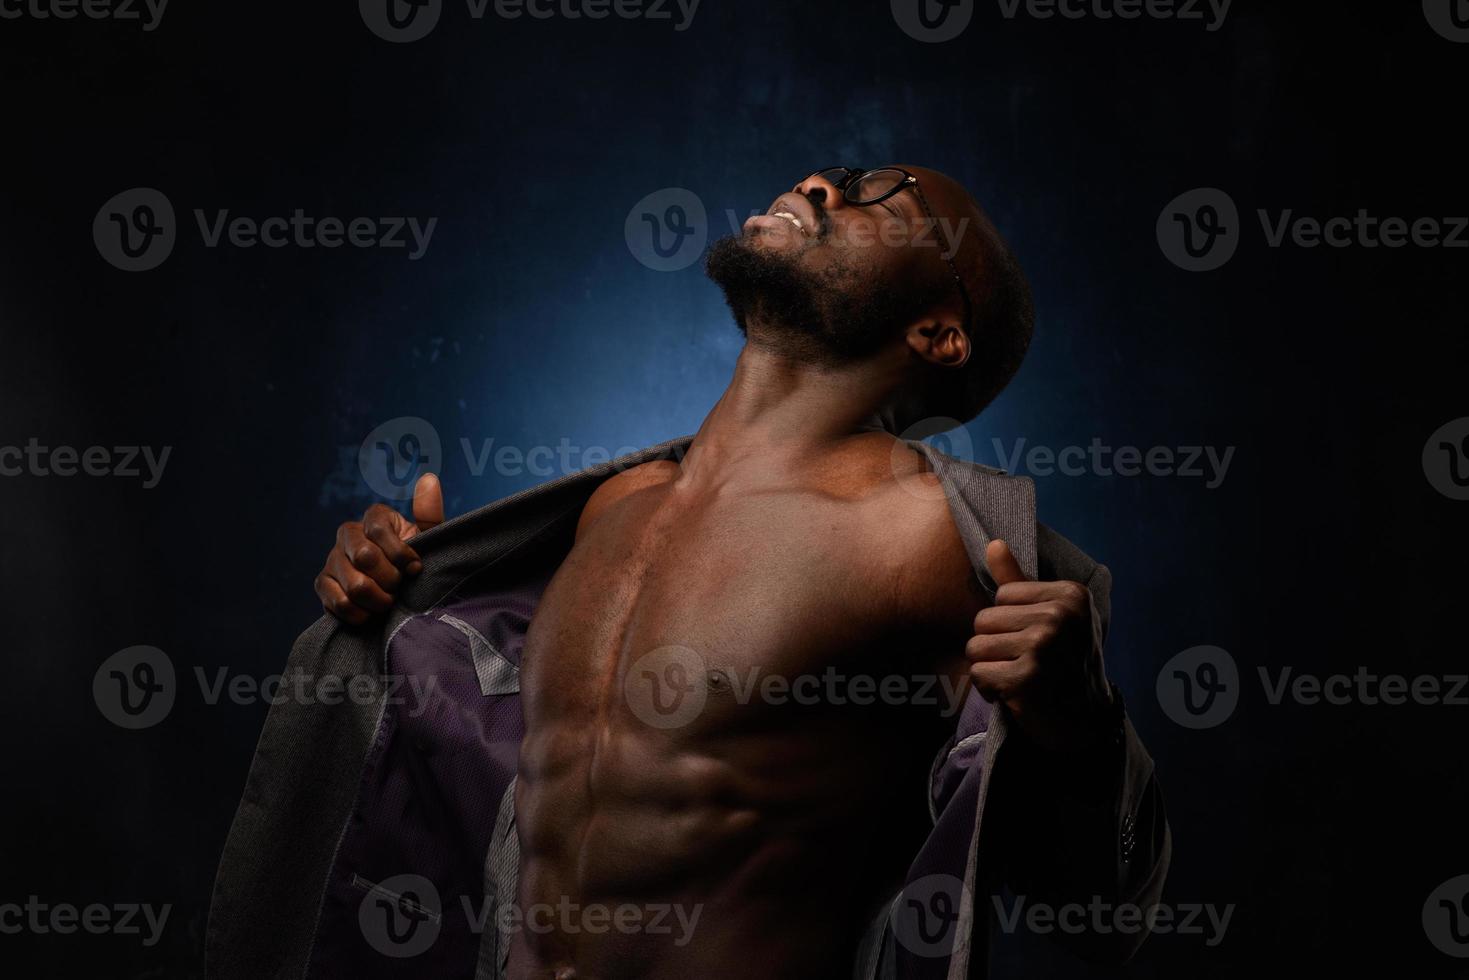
[(623, 483), (974, 486)]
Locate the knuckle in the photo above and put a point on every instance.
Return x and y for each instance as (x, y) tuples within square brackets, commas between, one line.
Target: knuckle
[(359, 589)]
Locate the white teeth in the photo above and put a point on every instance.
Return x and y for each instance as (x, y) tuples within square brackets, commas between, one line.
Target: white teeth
[(791, 218)]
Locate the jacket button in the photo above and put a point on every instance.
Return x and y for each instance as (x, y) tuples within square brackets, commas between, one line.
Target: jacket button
[(1129, 836)]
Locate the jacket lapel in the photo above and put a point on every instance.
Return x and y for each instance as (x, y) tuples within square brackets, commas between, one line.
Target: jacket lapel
[(458, 549), (987, 504)]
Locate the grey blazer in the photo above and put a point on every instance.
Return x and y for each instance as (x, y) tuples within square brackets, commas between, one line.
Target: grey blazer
[(375, 836)]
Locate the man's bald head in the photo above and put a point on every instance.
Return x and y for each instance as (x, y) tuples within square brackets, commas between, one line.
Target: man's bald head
[(845, 269), (1002, 315)]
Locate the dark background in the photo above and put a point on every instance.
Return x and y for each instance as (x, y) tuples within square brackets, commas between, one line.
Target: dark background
[(529, 320)]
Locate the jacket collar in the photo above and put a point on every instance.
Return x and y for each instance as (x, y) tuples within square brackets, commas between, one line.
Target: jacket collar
[(986, 503)]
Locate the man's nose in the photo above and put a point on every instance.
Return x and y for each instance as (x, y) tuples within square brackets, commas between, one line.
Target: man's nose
[(821, 190)]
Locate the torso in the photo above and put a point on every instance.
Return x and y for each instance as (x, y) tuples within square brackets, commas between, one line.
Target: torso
[(679, 819)]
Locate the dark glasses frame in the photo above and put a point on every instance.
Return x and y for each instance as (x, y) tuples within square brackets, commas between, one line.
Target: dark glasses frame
[(849, 181)]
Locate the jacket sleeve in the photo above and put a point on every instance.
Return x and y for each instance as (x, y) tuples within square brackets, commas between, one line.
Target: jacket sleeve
[(1088, 830)]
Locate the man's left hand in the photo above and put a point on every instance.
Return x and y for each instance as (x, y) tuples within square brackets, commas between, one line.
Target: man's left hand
[(1038, 650)]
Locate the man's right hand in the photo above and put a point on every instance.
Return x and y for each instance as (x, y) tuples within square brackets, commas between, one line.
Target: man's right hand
[(371, 556)]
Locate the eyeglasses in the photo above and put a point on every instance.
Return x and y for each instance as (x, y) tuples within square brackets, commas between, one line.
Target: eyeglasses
[(864, 188)]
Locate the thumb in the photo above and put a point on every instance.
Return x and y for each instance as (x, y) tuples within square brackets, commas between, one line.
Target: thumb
[(428, 502), (1003, 564)]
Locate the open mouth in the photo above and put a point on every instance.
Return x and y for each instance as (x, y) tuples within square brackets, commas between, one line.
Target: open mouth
[(791, 218)]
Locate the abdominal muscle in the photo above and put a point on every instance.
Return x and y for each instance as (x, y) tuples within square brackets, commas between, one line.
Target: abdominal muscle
[(754, 836)]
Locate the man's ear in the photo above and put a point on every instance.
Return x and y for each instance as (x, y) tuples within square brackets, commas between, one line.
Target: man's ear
[(939, 340)]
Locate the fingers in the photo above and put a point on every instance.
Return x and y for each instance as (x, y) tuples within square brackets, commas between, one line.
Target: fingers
[(996, 647), (336, 603), (1002, 563), (367, 555), (1001, 680), (385, 528), (1014, 618), (1073, 595), (359, 587), (428, 502), (371, 556)]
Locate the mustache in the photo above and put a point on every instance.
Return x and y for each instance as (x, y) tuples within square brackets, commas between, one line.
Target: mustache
[(823, 220)]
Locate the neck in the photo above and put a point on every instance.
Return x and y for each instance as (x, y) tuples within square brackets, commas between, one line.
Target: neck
[(778, 411)]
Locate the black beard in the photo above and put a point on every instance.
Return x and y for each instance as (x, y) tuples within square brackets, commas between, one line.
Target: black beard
[(833, 317)]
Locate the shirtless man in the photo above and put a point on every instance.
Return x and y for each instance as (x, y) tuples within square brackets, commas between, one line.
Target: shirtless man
[(795, 539)]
